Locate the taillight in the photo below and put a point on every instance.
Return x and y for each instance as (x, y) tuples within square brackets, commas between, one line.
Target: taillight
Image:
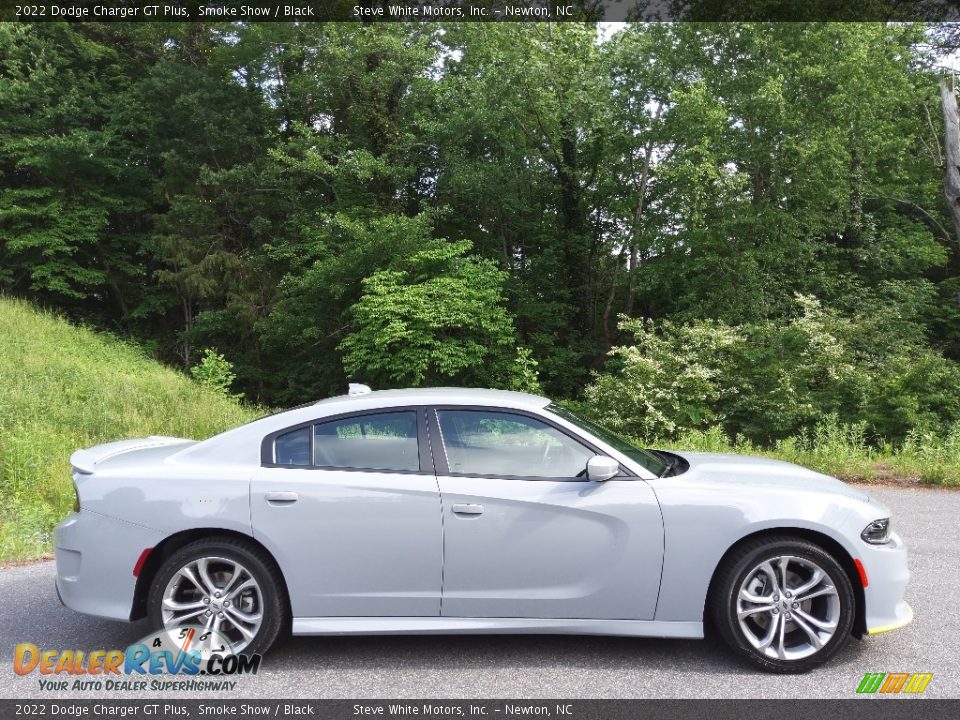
[(76, 499)]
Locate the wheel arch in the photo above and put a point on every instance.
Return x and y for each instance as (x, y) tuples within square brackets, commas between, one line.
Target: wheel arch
[(171, 544), (822, 540)]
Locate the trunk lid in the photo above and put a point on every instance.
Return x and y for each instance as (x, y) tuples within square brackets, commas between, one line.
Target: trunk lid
[(85, 461)]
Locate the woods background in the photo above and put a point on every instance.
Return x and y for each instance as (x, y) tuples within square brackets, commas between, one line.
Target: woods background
[(736, 230)]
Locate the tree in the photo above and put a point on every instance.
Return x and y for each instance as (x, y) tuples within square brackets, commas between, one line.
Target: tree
[(214, 371), (259, 187), (439, 317), (521, 134), (787, 158), (76, 193)]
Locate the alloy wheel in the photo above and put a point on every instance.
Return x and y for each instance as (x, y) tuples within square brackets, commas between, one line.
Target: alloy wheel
[(788, 607), (217, 594)]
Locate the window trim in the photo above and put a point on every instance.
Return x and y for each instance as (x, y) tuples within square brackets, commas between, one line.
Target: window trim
[(424, 449), (439, 451)]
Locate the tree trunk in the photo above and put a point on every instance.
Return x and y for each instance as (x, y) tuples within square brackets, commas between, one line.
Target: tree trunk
[(638, 217), (635, 231), (187, 326), (631, 280), (608, 309), (951, 177)]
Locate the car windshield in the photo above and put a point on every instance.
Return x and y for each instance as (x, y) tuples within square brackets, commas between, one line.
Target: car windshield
[(649, 460)]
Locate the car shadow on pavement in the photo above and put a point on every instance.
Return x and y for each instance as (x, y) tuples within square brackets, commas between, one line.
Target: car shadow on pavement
[(47, 624), (472, 652)]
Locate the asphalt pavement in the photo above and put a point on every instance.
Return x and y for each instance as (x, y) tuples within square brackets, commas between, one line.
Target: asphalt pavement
[(541, 666)]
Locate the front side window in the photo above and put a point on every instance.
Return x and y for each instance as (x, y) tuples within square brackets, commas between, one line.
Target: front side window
[(384, 441), (500, 444)]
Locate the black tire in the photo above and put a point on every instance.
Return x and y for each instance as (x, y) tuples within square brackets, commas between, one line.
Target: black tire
[(741, 565), (275, 605)]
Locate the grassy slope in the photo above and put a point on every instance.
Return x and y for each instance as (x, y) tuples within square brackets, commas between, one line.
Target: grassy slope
[(63, 388)]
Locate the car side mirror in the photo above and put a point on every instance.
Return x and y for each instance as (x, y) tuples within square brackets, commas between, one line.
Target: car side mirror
[(601, 467)]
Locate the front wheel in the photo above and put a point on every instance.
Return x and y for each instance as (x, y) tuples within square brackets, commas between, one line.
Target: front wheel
[(784, 604), (229, 590)]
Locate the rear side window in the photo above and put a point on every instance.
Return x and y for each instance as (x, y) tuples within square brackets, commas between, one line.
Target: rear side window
[(383, 441), (293, 448)]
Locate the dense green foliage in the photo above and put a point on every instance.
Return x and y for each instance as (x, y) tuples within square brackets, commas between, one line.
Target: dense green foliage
[(481, 204), (63, 388), (438, 316), (768, 381)]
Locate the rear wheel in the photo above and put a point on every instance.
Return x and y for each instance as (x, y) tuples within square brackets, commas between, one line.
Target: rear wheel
[(784, 604), (227, 589)]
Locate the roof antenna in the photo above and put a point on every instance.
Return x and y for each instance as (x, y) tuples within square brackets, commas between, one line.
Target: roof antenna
[(358, 389)]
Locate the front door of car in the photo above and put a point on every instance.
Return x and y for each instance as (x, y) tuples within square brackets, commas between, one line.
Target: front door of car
[(525, 537), (350, 508)]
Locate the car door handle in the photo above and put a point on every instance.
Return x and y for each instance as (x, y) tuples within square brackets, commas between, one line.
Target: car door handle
[(280, 497), (468, 509)]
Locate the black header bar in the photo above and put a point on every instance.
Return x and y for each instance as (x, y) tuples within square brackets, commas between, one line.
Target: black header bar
[(477, 10), (446, 709)]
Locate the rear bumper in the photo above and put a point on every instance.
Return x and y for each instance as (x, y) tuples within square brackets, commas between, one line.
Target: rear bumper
[(95, 557), (59, 596), (887, 577)]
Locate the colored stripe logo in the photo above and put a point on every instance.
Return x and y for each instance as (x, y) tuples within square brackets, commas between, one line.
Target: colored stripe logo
[(894, 683)]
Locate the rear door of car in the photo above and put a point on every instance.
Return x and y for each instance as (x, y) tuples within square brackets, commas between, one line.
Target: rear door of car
[(524, 537), (350, 507)]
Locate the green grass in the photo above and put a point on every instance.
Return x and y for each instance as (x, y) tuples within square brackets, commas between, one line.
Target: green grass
[(64, 387)]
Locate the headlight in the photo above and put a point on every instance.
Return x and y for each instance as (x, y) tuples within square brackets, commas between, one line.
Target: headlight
[(877, 532)]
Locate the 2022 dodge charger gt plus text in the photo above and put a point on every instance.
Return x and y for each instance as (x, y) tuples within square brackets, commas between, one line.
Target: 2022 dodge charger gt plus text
[(473, 511)]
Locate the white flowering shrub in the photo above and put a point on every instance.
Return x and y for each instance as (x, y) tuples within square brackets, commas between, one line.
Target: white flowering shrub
[(770, 381), (672, 378)]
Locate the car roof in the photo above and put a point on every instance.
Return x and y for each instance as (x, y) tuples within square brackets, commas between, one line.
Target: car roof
[(439, 396), (239, 443)]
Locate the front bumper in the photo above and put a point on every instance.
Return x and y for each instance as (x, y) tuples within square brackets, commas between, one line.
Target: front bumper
[(95, 557), (887, 577), (904, 617)]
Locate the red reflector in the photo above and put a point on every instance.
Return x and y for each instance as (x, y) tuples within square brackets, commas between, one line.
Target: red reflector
[(143, 558), (863, 573)]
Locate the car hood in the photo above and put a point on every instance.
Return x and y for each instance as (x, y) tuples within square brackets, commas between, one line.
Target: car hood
[(748, 471)]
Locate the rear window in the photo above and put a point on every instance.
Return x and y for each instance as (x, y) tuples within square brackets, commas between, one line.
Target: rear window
[(385, 441), (293, 448), (378, 441)]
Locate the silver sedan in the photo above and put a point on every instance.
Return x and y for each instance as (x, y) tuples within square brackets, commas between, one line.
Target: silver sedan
[(473, 511)]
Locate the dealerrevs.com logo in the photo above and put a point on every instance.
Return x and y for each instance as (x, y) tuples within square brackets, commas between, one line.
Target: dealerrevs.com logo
[(185, 652), (894, 683)]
